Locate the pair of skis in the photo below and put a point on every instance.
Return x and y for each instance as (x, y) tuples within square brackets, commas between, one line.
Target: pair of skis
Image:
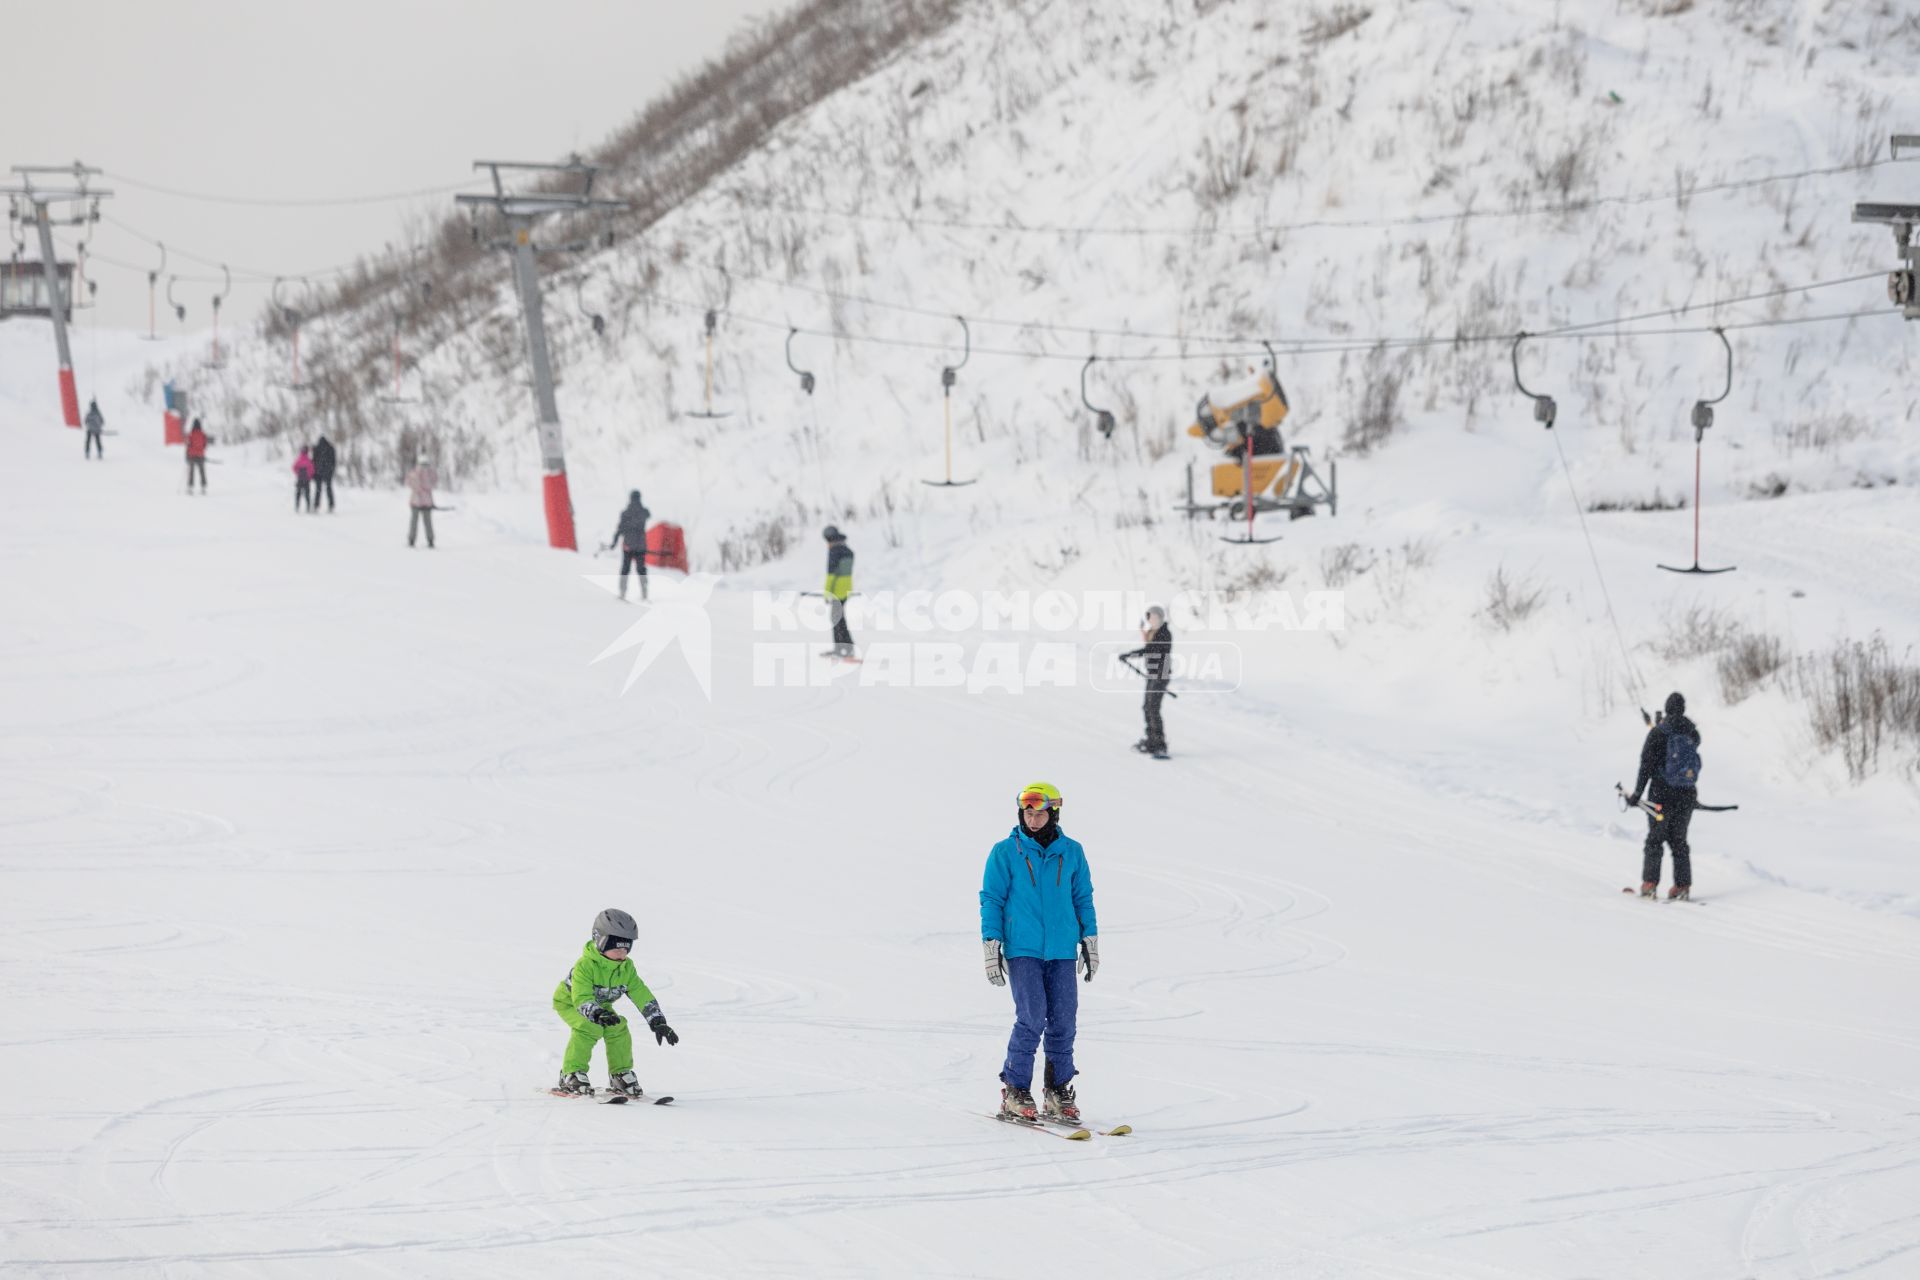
[(611, 1099), (1067, 1129), (1654, 897)]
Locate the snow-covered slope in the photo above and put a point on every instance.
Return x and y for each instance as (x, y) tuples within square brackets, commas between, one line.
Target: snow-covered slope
[(301, 827)]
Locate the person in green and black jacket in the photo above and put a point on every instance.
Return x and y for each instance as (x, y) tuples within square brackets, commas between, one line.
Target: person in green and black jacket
[(839, 586)]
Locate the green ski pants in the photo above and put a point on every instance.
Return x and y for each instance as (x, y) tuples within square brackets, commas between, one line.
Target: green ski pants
[(579, 1055)]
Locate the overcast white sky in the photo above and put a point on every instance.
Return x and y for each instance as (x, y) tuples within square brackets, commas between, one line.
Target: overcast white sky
[(300, 98)]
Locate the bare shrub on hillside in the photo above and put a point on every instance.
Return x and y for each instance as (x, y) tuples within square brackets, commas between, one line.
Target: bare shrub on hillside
[(1225, 166), (1511, 601), (1342, 564), (1376, 412), (763, 541), (1323, 25), (1825, 433), (1403, 563), (1658, 502), (1747, 663), (1566, 170), (1701, 629), (1861, 700)]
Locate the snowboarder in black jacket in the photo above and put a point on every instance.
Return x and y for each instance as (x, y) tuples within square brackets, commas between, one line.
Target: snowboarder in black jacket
[(1156, 657), (323, 464), (630, 535), (1676, 802)]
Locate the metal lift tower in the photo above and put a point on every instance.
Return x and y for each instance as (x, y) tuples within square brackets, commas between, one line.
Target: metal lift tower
[(518, 213), (40, 198)]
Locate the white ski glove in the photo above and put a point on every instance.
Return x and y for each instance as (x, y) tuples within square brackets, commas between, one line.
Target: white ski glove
[(1089, 957), (996, 962)]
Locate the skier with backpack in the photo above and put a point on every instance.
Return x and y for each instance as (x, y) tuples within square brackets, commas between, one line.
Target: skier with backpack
[(1037, 927), (584, 1001), (1669, 777)]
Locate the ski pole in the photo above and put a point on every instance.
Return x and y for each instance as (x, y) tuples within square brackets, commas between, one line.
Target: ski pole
[(1128, 662), (1647, 805)]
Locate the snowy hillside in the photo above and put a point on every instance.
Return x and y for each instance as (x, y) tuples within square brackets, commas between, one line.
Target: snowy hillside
[(298, 827), (1236, 172)]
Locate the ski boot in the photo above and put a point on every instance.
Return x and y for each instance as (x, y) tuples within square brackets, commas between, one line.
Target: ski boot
[(1017, 1104), (1680, 892), (625, 1083), (1057, 1101), (573, 1082), (1649, 889)]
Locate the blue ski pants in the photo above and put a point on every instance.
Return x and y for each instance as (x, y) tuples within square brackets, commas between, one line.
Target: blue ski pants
[(1046, 997)]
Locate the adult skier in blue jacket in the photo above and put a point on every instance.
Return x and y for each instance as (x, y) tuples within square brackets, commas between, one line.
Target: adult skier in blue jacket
[(1037, 927)]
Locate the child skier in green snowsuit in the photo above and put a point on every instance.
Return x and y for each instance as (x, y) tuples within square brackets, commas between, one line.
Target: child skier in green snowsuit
[(584, 1000)]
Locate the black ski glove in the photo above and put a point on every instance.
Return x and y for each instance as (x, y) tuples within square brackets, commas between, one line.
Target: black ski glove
[(662, 1033), (604, 1016)]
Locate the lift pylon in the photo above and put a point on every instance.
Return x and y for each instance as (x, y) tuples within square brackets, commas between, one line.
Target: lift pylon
[(519, 213), (40, 197)]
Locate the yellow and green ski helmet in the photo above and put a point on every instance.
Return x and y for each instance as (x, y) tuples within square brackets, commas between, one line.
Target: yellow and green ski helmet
[(1039, 795)]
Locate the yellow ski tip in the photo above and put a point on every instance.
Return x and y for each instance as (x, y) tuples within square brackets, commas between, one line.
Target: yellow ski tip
[(1120, 1131)]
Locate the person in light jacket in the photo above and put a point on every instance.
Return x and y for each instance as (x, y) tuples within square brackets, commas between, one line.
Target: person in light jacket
[(420, 482)]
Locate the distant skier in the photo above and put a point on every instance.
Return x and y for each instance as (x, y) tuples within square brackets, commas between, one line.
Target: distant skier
[(420, 482), (96, 424), (630, 535), (197, 442), (838, 587), (584, 1001), (1669, 775), (1036, 927), (323, 464), (303, 480), (1156, 657)]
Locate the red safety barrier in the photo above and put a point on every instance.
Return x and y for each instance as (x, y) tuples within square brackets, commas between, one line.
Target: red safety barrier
[(69, 398), (667, 546), (176, 429), (559, 512)]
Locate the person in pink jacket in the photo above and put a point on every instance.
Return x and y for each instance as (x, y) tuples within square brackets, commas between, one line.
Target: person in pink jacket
[(303, 481), (420, 482)]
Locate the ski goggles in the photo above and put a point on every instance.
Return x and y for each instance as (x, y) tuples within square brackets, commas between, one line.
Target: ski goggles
[(616, 944), (1038, 800)]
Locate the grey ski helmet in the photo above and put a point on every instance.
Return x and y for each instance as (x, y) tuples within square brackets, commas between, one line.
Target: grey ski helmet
[(613, 927), (832, 534)]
